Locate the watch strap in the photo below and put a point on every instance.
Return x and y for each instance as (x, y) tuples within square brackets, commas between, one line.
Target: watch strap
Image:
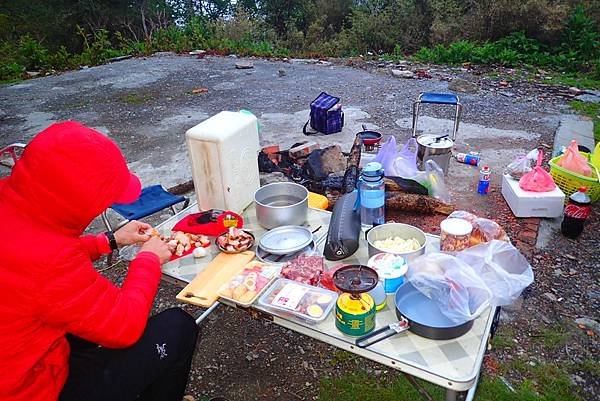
[(112, 241)]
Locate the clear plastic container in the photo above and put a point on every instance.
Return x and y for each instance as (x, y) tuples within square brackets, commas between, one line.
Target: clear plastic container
[(245, 287), (312, 304), (455, 234)]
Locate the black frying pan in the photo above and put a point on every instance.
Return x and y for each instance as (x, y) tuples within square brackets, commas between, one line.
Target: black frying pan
[(418, 314)]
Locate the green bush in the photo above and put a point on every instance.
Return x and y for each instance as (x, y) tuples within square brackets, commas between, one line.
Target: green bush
[(32, 55), (10, 71)]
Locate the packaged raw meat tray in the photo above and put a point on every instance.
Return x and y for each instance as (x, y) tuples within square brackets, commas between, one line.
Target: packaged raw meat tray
[(244, 288), (305, 269), (310, 303)]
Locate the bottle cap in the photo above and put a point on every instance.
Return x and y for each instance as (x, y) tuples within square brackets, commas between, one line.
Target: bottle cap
[(583, 189), (373, 169)]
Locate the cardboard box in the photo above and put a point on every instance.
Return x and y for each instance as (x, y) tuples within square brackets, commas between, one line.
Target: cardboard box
[(532, 204)]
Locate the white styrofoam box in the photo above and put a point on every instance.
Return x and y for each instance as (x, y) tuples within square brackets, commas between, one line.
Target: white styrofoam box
[(223, 152), (532, 204)]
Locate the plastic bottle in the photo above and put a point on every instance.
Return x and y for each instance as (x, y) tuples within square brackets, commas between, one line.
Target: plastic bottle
[(372, 195), (577, 211), (484, 181)]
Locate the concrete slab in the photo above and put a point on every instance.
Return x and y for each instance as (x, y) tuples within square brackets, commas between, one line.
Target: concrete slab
[(576, 127)]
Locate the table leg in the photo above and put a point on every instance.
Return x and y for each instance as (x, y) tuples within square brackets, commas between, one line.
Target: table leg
[(451, 395), (207, 312)]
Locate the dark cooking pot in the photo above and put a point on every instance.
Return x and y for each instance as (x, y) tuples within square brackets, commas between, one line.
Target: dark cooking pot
[(418, 314), (368, 137)]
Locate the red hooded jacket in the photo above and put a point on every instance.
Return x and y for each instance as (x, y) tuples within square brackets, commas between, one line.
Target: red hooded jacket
[(68, 175)]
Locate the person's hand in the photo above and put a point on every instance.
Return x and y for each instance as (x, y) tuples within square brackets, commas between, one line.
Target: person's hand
[(133, 232), (159, 248)]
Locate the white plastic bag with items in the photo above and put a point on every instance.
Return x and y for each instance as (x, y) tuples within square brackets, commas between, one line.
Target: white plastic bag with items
[(501, 266), (456, 288), (521, 165), (401, 164), (437, 183)]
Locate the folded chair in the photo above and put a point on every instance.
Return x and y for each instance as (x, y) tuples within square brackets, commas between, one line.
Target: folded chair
[(152, 199), (14, 150)]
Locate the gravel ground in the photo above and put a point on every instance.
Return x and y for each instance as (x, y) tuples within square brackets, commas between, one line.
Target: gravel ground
[(146, 105)]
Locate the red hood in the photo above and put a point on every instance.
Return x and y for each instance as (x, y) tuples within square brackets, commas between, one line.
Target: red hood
[(68, 174)]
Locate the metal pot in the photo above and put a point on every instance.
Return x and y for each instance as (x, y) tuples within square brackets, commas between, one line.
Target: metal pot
[(401, 230), (281, 204), (436, 148)]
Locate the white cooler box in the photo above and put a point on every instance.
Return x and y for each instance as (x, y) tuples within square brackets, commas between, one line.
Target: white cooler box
[(532, 204), (223, 153)]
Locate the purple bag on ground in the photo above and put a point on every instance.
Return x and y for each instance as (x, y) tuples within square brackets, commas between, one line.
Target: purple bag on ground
[(326, 115)]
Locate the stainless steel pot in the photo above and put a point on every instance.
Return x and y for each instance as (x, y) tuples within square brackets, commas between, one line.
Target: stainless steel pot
[(401, 230), (281, 204), (436, 148)]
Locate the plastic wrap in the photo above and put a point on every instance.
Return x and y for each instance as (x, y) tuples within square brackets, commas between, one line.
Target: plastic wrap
[(502, 268), (455, 287), (435, 176), (484, 230), (521, 165)]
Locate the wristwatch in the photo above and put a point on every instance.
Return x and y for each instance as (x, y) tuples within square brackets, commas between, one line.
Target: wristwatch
[(112, 242)]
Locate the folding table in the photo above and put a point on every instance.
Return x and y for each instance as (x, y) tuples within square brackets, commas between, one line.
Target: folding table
[(452, 364)]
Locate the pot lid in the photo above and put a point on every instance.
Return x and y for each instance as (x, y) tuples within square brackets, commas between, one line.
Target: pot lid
[(435, 141), (285, 239), (355, 279)]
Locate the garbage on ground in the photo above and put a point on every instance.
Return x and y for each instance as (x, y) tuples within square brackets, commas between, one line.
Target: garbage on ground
[(471, 158), (538, 179)]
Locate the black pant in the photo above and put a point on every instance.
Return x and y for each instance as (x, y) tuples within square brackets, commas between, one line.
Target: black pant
[(156, 368)]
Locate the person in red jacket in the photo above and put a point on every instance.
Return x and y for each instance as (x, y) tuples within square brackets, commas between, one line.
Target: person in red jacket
[(66, 332)]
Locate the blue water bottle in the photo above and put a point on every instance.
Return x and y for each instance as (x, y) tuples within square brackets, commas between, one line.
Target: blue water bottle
[(372, 195), (484, 181)]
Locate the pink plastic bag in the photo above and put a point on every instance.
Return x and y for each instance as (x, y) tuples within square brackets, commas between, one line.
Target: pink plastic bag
[(573, 161), (538, 179)]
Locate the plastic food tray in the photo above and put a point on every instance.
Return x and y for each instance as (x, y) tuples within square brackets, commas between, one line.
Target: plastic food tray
[(295, 298), (267, 275)]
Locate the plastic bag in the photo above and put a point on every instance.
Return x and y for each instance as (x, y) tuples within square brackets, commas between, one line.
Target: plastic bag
[(521, 165), (573, 161), (405, 164), (452, 284), (503, 269), (538, 179), (386, 156), (435, 176), (484, 230)]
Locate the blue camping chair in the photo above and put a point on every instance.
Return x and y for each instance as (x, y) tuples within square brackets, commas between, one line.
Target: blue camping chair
[(449, 99), (152, 199)]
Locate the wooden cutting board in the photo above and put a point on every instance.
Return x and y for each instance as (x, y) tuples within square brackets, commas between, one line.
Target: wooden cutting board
[(202, 290)]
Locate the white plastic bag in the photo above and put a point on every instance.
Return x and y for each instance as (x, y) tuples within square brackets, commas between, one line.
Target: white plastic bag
[(502, 268), (437, 183), (521, 165), (405, 163), (458, 291), (386, 156)]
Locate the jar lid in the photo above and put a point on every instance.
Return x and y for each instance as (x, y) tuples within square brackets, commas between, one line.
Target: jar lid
[(455, 226), (435, 141), (388, 265)]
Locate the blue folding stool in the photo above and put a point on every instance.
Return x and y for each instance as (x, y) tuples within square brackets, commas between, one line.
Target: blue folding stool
[(152, 199), (437, 98)]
